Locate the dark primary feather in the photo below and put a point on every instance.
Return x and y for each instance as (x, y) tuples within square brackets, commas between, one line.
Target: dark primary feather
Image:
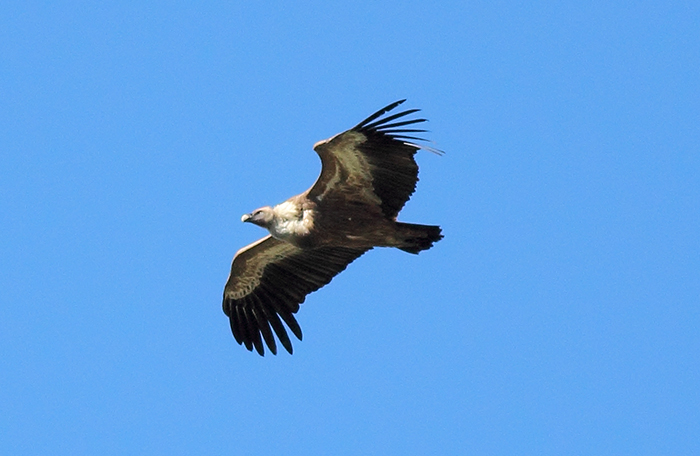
[(392, 164), (391, 130), (382, 111), (388, 119)]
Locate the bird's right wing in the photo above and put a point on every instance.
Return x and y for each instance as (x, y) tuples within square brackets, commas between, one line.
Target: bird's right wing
[(268, 281)]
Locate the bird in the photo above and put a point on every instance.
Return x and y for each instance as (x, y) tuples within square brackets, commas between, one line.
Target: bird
[(368, 174)]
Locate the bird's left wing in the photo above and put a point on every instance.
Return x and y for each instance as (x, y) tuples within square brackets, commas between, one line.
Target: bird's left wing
[(372, 162), (268, 281)]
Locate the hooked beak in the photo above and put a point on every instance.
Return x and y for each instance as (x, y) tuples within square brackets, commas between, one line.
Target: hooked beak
[(246, 217)]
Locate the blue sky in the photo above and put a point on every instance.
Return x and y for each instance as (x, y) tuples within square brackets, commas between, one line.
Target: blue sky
[(559, 315)]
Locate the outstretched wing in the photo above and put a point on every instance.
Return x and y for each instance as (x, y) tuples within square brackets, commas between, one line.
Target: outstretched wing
[(268, 281), (372, 162)]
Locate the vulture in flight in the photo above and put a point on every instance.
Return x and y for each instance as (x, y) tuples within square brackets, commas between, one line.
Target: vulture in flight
[(368, 173)]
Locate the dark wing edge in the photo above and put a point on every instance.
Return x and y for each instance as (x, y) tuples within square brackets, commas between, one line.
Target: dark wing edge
[(390, 130), (390, 153), (278, 277)]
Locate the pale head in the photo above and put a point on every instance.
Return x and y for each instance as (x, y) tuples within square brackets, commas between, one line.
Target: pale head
[(262, 217)]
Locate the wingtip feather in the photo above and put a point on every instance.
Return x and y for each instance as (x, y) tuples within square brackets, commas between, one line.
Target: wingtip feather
[(379, 113)]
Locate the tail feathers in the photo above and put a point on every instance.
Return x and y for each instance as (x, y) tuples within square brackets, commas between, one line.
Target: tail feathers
[(416, 238)]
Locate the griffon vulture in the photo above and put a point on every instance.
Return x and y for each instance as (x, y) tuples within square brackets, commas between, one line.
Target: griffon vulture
[(368, 173)]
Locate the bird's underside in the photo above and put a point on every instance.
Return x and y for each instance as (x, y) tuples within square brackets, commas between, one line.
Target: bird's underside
[(368, 174)]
